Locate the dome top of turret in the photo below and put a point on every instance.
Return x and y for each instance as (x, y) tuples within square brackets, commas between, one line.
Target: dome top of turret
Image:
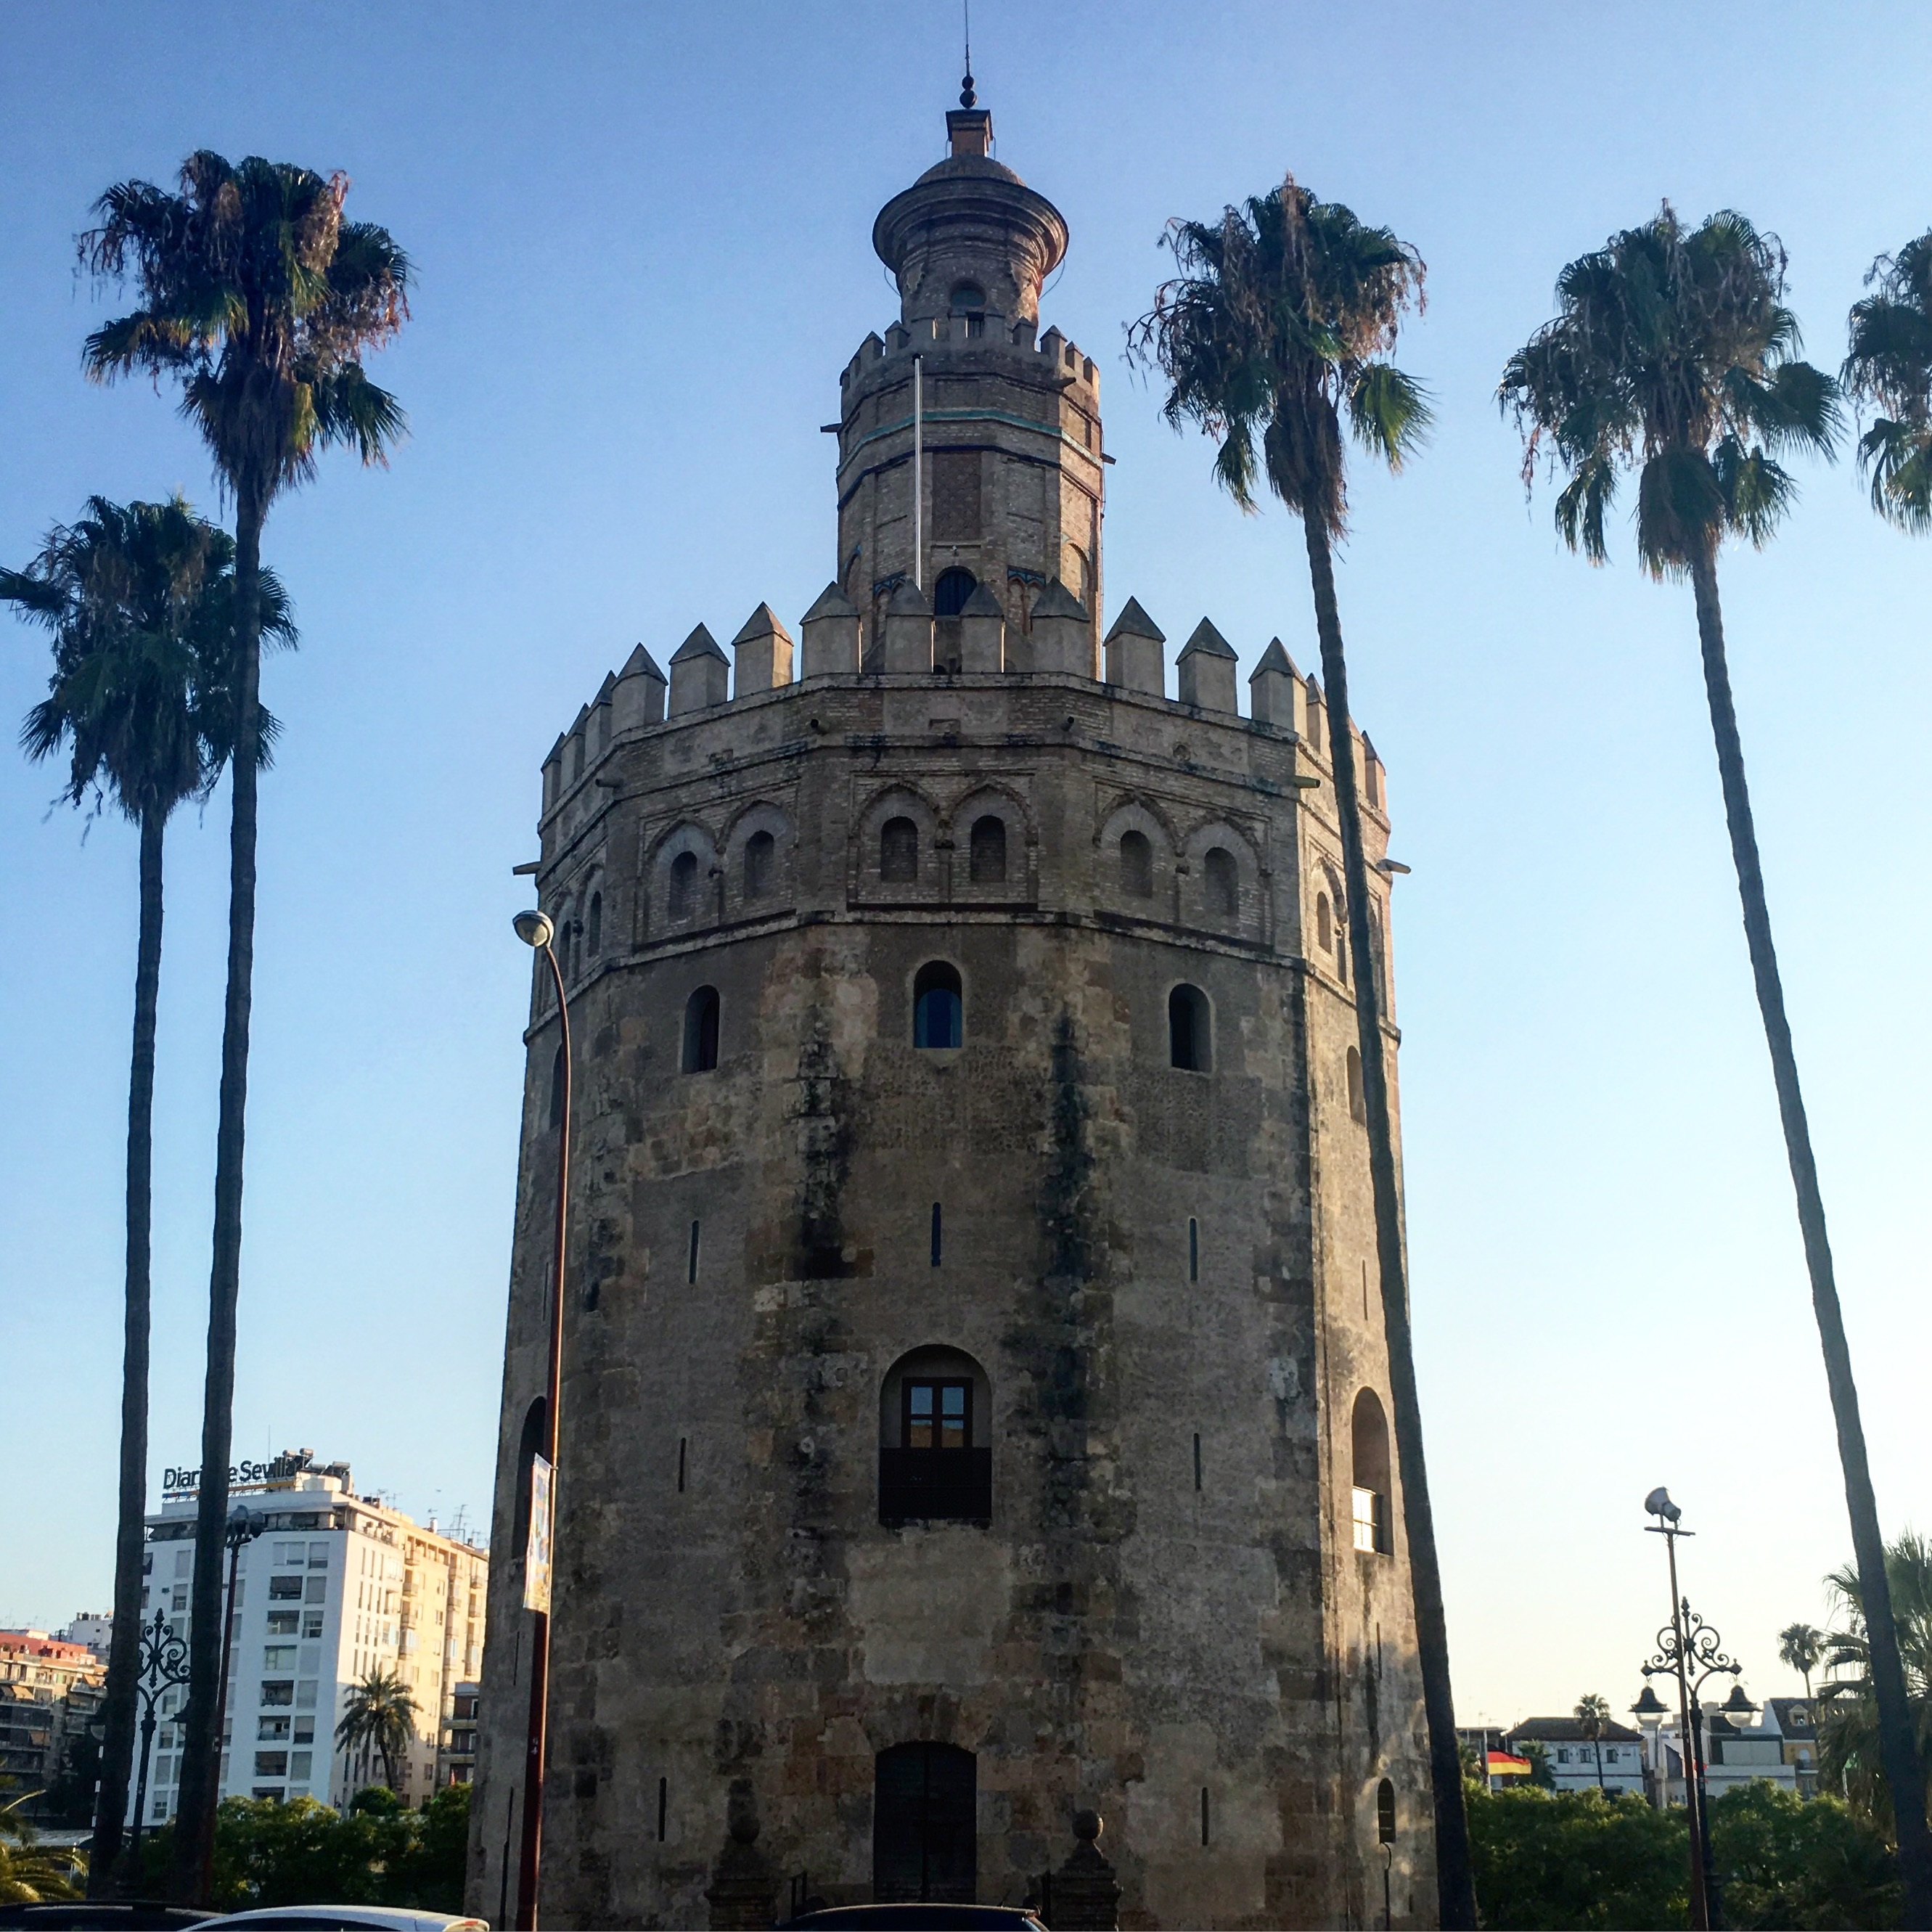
[(969, 236)]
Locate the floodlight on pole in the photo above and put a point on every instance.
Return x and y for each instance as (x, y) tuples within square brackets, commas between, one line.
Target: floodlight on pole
[(536, 930)]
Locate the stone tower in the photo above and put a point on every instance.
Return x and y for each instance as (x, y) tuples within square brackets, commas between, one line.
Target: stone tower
[(973, 1412)]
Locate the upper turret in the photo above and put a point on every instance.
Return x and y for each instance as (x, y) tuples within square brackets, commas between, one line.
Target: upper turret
[(969, 236)]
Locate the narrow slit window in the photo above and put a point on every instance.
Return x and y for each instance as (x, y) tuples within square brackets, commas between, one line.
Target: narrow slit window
[(690, 1261), (1197, 1459), (1204, 1815), (557, 1086), (898, 852), (1188, 1031), (664, 1807), (1193, 1250), (594, 936), (683, 1441), (700, 1031), (1384, 1792), (1357, 1105), (936, 1235), (987, 851), (761, 849)]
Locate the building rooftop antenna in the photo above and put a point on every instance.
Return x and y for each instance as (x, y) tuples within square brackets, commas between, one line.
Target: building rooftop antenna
[(967, 97)]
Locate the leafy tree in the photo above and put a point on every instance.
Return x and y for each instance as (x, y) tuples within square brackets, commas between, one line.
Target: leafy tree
[(380, 1714), (1272, 337), (1593, 1715), (139, 599), (1673, 353), (1537, 1754), (30, 1871), (260, 298), (1801, 1647), (1890, 365), (1546, 1862), (1786, 1860), (1849, 1751), (380, 1853)]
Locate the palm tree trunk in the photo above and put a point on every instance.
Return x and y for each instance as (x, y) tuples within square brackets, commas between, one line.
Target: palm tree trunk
[(1903, 1771), (201, 1762), (1454, 1878), (120, 1706)]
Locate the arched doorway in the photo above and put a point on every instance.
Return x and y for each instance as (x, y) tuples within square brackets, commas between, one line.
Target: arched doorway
[(924, 1831)]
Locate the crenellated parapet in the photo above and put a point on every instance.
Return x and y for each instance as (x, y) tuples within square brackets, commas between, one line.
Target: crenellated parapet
[(705, 683)]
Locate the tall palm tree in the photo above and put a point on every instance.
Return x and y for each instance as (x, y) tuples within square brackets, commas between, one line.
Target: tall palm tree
[(1593, 1717), (258, 298), (1673, 353), (1801, 1647), (1849, 1746), (1274, 338), (140, 601), (1890, 365), (379, 1713)]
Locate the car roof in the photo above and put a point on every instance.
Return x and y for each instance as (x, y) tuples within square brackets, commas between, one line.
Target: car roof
[(351, 1919), (915, 1917)]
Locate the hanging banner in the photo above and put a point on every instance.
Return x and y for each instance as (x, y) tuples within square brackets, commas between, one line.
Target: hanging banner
[(536, 1554)]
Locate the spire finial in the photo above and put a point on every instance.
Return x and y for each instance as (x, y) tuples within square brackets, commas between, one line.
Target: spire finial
[(967, 98)]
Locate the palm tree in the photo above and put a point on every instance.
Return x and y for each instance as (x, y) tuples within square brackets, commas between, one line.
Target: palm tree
[(1802, 1647), (1673, 353), (1849, 1745), (30, 1872), (381, 1715), (1276, 332), (139, 599), (1890, 365), (1593, 1717), (260, 298)]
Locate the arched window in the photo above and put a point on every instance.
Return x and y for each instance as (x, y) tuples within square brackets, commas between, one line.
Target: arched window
[(950, 593), (1357, 1106), (925, 1829), (700, 1030), (1384, 1792), (898, 852), (1369, 1431), (938, 1011), (530, 1446), (967, 297), (987, 849), (1223, 882), (683, 885), (594, 938), (935, 1440), (760, 851), (1136, 866), (556, 1091), (1324, 923), (1188, 1031)]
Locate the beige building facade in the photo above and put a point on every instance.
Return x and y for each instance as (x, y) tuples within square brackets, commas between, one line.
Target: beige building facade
[(974, 1403)]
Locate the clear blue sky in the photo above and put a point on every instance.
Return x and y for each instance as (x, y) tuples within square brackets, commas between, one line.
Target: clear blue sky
[(641, 235)]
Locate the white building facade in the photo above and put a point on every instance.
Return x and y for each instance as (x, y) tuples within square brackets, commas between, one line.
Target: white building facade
[(335, 1588)]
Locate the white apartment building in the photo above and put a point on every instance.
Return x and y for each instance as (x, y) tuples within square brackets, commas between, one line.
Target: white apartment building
[(335, 1587)]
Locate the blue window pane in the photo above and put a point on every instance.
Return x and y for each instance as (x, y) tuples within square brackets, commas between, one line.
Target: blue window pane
[(936, 1020)]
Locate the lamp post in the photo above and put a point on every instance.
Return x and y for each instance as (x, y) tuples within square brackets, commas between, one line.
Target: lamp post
[(162, 1664), (1650, 1712), (1689, 1650), (535, 930)]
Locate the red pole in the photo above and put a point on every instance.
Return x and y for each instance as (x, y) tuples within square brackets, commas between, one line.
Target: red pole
[(535, 1737)]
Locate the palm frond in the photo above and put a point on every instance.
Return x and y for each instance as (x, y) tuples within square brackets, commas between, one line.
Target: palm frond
[(1389, 412)]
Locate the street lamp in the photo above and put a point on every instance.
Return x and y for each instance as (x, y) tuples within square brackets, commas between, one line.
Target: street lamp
[(1689, 1649), (535, 929), (241, 1528), (162, 1664)]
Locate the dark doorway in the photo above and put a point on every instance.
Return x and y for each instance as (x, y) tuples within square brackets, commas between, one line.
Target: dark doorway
[(924, 1841)]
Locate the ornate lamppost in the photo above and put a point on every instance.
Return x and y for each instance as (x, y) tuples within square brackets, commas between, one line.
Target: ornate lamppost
[(162, 1665), (1689, 1650), (535, 930)]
